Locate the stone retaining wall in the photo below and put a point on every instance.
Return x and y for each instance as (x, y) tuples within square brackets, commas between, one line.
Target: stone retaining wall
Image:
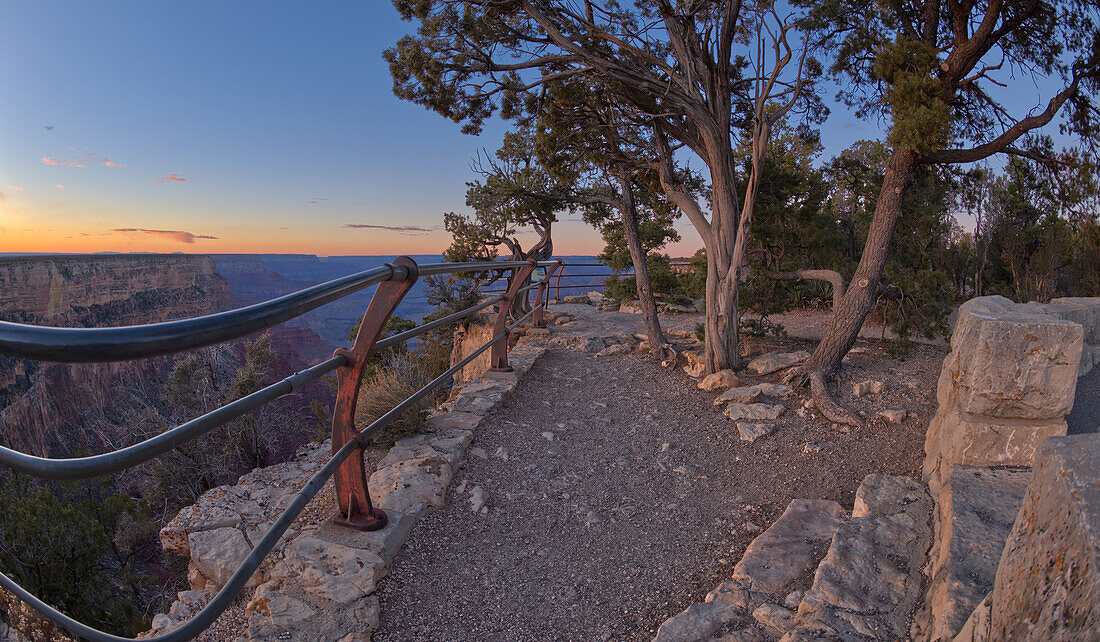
[(1005, 388), (1048, 582)]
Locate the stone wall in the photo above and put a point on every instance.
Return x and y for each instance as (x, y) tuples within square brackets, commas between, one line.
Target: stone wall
[(1005, 388), (1007, 385), (1048, 582)]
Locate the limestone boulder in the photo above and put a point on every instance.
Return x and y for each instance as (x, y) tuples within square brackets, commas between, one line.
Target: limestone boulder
[(978, 441), (274, 615), (217, 554), (776, 361), (790, 547), (1013, 361), (332, 571), (719, 380), (974, 515), (420, 480), (869, 582), (1049, 575), (700, 622)]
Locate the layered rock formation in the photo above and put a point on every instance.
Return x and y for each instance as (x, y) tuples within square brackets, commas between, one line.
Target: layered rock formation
[(1004, 392), (1007, 385), (49, 408)]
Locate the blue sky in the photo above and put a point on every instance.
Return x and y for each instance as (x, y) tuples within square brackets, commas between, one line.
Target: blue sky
[(149, 126), (264, 109)]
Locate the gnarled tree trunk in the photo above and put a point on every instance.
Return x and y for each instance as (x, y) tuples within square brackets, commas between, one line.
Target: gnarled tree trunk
[(853, 308), (646, 300)]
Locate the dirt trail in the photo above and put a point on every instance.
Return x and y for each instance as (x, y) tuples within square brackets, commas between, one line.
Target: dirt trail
[(625, 497)]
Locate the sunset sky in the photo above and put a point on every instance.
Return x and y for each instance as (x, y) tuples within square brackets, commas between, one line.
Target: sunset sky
[(232, 127)]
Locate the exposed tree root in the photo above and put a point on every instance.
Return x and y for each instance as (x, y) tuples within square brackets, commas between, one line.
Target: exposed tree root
[(832, 411), (672, 357)]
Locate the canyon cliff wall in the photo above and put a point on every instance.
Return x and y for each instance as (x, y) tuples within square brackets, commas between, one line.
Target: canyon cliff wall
[(52, 408)]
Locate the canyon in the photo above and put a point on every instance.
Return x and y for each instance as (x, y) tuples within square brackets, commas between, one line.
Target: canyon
[(56, 409)]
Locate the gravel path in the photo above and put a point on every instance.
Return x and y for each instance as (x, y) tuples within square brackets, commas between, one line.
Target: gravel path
[(624, 498)]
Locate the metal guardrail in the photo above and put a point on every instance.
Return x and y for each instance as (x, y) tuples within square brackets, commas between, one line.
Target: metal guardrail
[(677, 267), (394, 280)]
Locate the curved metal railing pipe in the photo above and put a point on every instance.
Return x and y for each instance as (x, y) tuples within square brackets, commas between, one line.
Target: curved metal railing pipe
[(75, 345), (112, 462), (82, 345)]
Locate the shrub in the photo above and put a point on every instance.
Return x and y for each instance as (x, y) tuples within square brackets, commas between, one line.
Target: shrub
[(393, 381)]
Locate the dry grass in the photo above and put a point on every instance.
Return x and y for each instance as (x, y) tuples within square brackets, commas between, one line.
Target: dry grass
[(393, 382)]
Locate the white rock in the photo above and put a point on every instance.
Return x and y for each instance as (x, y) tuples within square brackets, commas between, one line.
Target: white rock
[(272, 613), (332, 571), (477, 499), (217, 554), (751, 432), (421, 480), (776, 361), (618, 348), (866, 387), (748, 394), (719, 380), (753, 411), (893, 416)]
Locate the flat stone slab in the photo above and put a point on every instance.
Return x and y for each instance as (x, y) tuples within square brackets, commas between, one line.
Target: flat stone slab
[(791, 547), (700, 622), (775, 361), (750, 432), (753, 411), (870, 581), (749, 394), (453, 420)]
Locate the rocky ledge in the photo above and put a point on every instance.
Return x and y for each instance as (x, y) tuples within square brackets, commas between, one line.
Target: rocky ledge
[(865, 587)]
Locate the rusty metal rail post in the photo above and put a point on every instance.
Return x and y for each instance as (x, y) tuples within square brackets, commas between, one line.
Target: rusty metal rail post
[(352, 495), (498, 355), (543, 297), (557, 289)]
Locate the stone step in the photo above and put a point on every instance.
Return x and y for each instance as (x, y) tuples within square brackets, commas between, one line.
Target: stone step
[(974, 516), (775, 567), (869, 582)]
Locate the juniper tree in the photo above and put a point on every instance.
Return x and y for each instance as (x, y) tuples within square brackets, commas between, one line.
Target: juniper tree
[(698, 71), (931, 69)]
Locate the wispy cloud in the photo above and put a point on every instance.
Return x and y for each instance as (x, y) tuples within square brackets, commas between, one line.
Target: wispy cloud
[(49, 160), (14, 188), (80, 160), (178, 236), (407, 230), (173, 178), (316, 199)]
